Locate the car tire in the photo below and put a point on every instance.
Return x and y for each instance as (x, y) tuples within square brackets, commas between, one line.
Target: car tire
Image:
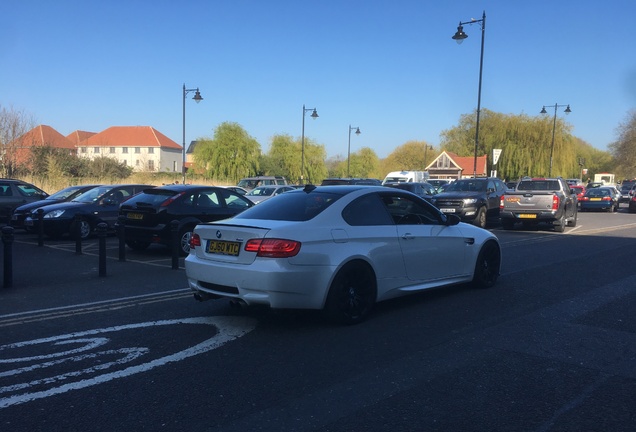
[(137, 245), (487, 266), (480, 219), (572, 223), (507, 224), (352, 294), (84, 229), (184, 240), (559, 226)]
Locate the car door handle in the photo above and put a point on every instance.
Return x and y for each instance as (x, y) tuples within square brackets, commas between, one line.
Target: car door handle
[(469, 241), (408, 236)]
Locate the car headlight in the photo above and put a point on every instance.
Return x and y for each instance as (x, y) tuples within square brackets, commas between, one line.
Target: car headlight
[(54, 214), (468, 201)]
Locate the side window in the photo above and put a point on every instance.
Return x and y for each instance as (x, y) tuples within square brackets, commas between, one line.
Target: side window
[(366, 211), (405, 210), (207, 199), (491, 185)]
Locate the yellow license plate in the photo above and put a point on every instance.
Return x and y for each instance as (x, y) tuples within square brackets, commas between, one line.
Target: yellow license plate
[(136, 216), (223, 247), (527, 216), (595, 199)]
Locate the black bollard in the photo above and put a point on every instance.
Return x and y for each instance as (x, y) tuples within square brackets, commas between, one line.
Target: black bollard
[(40, 213), (76, 231), (7, 239), (102, 227), (121, 236), (174, 231)]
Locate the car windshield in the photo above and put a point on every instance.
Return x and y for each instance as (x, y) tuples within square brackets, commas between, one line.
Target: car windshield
[(152, 197), (291, 206), (261, 192), (597, 192), (93, 194), (64, 193), (467, 186)]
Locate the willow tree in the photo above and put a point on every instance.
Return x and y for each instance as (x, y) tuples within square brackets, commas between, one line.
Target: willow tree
[(525, 141), (285, 158), (364, 163), (411, 156), (230, 155)]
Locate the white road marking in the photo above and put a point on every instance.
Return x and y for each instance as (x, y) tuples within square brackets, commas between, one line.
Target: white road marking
[(83, 343)]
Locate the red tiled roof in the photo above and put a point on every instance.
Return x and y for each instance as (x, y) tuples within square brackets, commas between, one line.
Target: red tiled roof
[(130, 136), (44, 135), (467, 163), (78, 136)]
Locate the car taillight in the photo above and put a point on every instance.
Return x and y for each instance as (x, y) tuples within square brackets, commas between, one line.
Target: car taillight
[(555, 202), (195, 241), (607, 198), (501, 202), (273, 248), (585, 198)]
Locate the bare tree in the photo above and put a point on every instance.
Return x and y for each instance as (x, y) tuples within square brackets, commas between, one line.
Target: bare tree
[(13, 124)]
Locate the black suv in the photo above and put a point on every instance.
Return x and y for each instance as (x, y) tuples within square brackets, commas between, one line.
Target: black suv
[(147, 216), (474, 200), (14, 193)]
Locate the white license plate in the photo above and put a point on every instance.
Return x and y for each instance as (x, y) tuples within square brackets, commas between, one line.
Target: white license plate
[(447, 210)]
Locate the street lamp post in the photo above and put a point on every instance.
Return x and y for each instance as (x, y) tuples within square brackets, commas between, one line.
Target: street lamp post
[(459, 37), (197, 98), (543, 111), (314, 115), (426, 147), (349, 147)]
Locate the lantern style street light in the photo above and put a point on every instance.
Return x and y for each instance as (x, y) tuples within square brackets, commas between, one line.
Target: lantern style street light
[(543, 111), (459, 37), (349, 147), (197, 98), (314, 115)]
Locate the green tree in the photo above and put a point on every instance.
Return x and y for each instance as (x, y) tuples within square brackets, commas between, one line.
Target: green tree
[(409, 156), (624, 148), (230, 155), (106, 168)]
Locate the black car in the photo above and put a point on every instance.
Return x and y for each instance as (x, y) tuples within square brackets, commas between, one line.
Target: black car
[(474, 199), (350, 181), (66, 194), (424, 190), (80, 216), (14, 193), (147, 217)]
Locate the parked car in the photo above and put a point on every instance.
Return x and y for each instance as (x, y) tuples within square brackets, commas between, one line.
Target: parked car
[(250, 183), (349, 181), (578, 190), (338, 248), (148, 215), (15, 193), (600, 198), (632, 203), (262, 193), (66, 194), (239, 190), (626, 187), (424, 190), (474, 200), (439, 184), (100, 204)]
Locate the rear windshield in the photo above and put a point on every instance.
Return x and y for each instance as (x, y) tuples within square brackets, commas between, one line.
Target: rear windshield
[(467, 186), (539, 185), (152, 197), (291, 206)]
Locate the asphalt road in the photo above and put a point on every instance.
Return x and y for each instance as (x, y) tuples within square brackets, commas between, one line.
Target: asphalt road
[(552, 347)]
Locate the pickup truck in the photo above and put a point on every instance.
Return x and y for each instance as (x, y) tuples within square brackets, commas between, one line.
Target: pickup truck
[(537, 200)]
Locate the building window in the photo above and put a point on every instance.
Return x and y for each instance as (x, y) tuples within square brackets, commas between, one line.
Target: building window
[(151, 165), (137, 149), (82, 149), (124, 150), (137, 162), (95, 149), (151, 150), (112, 149)]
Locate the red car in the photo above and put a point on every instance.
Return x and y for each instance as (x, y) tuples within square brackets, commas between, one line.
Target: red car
[(579, 190)]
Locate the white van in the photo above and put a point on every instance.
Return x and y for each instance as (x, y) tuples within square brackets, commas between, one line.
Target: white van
[(406, 177)]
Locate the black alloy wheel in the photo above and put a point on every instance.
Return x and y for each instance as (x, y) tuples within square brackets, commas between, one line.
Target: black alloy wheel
[(487, 266), (480, 219), (352, 294), (559, 226)]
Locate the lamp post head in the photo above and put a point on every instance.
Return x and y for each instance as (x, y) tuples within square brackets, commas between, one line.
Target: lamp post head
[(567, 110), (357, 131), (543, 111), (459, 36), (314, 114), (197, 96)]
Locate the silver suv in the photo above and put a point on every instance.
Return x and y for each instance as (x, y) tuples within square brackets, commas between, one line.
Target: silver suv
[(250, 183)]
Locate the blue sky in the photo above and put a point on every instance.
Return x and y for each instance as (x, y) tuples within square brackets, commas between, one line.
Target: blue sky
[(388, 67)]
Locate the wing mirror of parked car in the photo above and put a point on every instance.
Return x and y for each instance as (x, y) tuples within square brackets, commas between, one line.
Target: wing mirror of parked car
[(452, 219)]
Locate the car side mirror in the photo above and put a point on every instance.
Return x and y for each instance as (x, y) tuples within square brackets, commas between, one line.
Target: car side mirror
[(452, 219)]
